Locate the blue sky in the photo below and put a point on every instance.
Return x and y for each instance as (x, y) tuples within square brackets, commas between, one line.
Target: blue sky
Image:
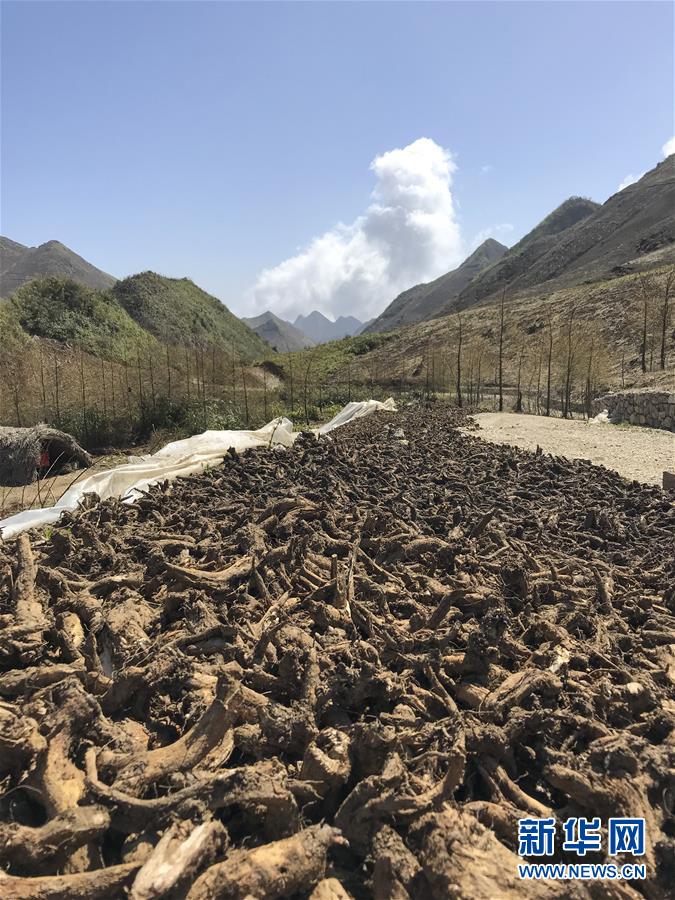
[(217, 140)]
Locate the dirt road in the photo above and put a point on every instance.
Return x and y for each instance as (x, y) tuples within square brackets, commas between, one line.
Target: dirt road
[(639, 453)]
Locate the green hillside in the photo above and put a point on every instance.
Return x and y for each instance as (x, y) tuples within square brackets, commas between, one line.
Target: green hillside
[(176, 311), (136, 313), (63, 310)]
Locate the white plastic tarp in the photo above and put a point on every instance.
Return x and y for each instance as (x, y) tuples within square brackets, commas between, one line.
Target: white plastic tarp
[(179, 458)]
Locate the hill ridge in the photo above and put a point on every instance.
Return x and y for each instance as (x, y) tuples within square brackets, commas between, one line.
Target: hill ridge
[(20, 264), (423, 301), (279, 333)]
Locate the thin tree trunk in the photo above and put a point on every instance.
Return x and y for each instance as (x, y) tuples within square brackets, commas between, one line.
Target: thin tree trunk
[(200, 363), (112, 390), (501, 350), (85, 423), (127, 392), (265, 394), (664, 316), (568, 367), (44, 389), (57, 394), (589, 372), (548, 367), (168, 374), (105, 399), (459, 361), (243, 384), (290, 380), (645, 286), (141, 399), (152, 385), (519, 393)]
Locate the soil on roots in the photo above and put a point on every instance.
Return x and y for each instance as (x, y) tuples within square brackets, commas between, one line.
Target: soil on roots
[(342, 669)]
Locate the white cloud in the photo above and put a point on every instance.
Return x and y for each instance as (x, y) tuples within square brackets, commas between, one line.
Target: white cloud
[(668, 147), (629, 179), (488, 167), (500, 233), (408, 234)]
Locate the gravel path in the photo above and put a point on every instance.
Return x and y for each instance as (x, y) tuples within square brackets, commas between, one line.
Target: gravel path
[(636, 453)]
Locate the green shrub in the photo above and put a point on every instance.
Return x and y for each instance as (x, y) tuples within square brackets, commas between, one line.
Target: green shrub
[(63, 310)]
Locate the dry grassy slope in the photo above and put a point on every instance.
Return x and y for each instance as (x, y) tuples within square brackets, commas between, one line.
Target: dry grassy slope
[(609, 313)]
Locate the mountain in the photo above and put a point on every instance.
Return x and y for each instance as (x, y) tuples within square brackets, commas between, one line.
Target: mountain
[(176, 312), (614, 240), (582, 241), (523, 255), (283, 336), (425, 300), (320, 328), (19, 264), (362, 328)]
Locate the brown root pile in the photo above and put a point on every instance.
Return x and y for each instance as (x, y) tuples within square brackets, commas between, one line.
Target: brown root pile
[(341, 670)]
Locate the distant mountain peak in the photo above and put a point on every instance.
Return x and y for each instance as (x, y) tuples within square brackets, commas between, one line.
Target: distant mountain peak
[(321, 329), (280, 334), (491, 244), (52, 245)]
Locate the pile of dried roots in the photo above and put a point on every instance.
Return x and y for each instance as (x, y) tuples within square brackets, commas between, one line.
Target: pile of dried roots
[(343, 669)]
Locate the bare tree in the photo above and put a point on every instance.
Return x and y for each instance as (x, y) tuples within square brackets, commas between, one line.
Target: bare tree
[(57, 389), (168, 373), (569, 360), (265, 393), (646, 288), (501, 350), (589, 376), (519, 393), (153, 396), (305, 385), (83, 395), (105, 401), (548, 365), (290, 380), (459, 359), (243, 384), (539, 362), (665, 311), (112, 390)]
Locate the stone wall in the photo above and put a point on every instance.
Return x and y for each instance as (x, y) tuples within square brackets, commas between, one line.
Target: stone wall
[(656, 409)]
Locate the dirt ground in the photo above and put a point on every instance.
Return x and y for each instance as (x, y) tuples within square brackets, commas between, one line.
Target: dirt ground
[(48, 491), (636, 453)]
